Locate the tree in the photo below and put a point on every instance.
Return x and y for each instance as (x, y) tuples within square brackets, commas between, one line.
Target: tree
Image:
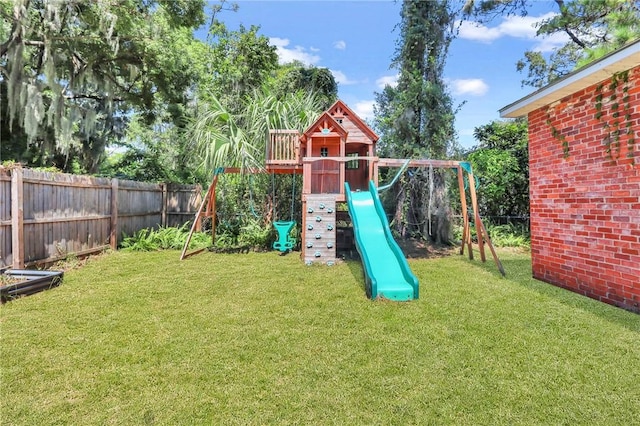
[(416, 118), (296, 76), (501, 161), (73, 70), (239, 62), (594, 28), (153, 152)]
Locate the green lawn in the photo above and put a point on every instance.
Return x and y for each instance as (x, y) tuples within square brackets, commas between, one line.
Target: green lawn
[(142, 338)]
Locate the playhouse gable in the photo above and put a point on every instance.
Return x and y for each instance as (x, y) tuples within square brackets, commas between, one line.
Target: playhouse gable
[(359, 131), (325, 126)]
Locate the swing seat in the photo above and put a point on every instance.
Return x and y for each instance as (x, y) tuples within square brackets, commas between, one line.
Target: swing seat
[(284, 242)]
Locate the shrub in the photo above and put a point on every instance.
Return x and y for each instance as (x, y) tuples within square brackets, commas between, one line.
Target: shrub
[(165, 238), (508, 235)]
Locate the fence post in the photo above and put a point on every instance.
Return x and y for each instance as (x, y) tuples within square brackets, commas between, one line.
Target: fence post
[(198, 194), (17, 218), (163, 221), (113, 236)]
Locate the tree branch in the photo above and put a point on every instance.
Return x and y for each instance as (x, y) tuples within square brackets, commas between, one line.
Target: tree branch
[(94, 97), (572, 36)]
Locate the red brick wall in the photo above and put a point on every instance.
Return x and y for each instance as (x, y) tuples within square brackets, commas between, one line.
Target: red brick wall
[(585, 206)]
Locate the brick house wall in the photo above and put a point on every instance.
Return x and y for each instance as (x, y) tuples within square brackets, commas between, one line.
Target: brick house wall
[(584, 171)]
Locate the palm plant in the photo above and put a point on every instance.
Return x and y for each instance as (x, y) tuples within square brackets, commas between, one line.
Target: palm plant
[(223, 138)]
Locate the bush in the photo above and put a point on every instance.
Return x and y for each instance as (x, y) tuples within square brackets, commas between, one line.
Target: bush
[(508, 235), (256, 235), (165, 238)]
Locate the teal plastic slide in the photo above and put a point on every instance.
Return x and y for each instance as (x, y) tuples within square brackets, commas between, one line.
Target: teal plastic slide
[(387, 273)]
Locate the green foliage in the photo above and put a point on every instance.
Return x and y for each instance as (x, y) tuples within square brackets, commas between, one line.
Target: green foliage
[(156, 153), (298, 77), (501, 162), (542, 70), (509, 235), (506, 235), (256, 235), (72, 72), (239, 62), (224, 138), (165, 238)]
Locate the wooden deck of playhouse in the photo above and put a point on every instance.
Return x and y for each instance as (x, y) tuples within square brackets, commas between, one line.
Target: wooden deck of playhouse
[(339, 147)]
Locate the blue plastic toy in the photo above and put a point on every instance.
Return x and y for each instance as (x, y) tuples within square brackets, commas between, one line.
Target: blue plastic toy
[(285, 242)]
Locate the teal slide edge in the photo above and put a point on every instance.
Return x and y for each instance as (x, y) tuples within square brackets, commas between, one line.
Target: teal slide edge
[(392, 253)]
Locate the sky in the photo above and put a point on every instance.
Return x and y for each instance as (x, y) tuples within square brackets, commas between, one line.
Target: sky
[(356, 41)]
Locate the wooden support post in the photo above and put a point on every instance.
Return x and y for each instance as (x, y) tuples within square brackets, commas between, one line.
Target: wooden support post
[(476, 216), (463, 205), (373, 167), (198, 190), (306, 178), (342, 165), (205, 200), (482, 229), (375, 174), (113, 235), (17, 218), (303, 227), (211, 207), (466, 232)]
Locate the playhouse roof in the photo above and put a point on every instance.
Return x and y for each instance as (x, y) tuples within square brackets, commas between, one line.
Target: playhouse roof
[(593, 73)]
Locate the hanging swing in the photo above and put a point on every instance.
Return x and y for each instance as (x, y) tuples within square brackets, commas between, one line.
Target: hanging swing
[(285, 241)]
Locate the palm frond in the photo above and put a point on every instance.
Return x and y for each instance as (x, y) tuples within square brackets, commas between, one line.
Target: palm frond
[(223, 139)]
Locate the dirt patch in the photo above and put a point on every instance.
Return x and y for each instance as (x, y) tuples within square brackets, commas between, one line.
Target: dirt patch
[(420, 249), (412, 249)]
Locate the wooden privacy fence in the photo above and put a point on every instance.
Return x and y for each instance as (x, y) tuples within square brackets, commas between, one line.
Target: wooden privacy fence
[(44, 216)]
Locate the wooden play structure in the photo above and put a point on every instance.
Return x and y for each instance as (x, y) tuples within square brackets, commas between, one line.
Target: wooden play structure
[(340, 148)]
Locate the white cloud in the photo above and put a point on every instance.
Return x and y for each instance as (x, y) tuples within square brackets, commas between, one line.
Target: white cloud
[(523, 27), (341, 77), (298, 53), (478, 32), (470, 86), (387, 80), (364, 109), (340, 44)]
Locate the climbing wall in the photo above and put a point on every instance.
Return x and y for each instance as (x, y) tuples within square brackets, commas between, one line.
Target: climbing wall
[(320, 229)]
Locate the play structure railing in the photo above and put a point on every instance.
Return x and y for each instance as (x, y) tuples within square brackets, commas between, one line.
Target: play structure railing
[(283, 147)]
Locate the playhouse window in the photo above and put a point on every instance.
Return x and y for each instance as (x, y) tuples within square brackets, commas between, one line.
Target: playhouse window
[(353, 164), (324, 151)]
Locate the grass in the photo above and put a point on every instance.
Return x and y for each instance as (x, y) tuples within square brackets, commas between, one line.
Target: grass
[(142, 338)]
